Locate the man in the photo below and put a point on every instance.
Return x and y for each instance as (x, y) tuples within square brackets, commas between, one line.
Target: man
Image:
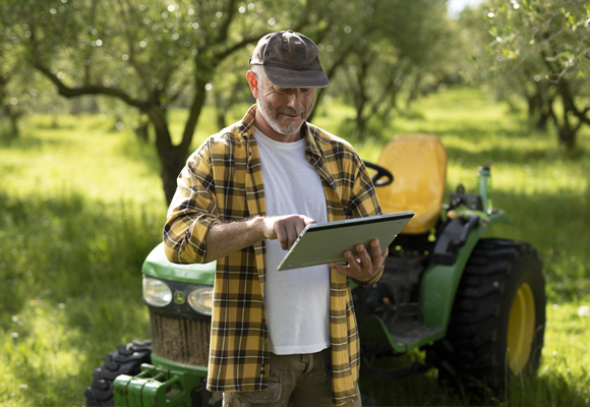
[(277, 338)]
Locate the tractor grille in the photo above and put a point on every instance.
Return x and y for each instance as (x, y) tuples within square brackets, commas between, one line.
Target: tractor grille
[(179, 339)]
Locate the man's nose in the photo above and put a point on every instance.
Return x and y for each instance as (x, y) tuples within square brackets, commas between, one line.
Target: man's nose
[(295, 99)]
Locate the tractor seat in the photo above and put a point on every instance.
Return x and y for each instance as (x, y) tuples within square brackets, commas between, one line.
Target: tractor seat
[(419, 164)]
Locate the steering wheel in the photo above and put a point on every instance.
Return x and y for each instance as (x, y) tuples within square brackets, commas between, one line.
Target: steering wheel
[(381, 172)]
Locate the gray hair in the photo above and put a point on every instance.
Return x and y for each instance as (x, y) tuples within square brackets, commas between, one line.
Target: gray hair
[(259, 71)]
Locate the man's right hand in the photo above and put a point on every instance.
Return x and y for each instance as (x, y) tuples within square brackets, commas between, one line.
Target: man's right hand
[(225, 238), (285, 228)]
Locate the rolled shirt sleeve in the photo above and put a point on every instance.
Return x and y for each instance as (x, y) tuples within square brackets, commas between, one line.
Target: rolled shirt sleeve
[(193, 210)]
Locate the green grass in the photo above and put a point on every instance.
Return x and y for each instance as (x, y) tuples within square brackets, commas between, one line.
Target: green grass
[(81, 205)]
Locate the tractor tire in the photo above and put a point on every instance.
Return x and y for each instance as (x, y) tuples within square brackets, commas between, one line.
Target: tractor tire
[(497, 323), (127, 359)]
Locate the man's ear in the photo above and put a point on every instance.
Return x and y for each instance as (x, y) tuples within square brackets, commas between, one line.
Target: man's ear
[(253, 82)]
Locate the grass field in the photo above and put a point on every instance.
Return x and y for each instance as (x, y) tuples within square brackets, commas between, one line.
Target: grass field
[(81, 205)]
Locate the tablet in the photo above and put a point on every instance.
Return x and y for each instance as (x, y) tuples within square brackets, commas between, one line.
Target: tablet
[(323, 243)]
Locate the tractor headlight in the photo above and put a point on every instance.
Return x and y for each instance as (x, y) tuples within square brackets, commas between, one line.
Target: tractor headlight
[(156, 292), (201, 300)]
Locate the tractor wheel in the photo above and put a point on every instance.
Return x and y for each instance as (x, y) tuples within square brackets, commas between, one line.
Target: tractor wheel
[(127, 359), (498, 320)]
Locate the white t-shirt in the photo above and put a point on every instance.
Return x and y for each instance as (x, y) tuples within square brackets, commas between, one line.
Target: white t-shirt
[(297, 302)]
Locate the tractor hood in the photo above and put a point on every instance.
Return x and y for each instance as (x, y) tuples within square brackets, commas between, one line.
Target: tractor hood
[(157, 265)]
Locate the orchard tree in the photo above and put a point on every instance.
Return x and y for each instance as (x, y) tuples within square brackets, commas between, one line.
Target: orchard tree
[(410, 41), (146, 53), (14, 76), (520, 80), (549, 44)]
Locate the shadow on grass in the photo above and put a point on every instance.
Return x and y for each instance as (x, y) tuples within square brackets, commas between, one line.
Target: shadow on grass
[(508, 153), (30, 142), (551, 389)]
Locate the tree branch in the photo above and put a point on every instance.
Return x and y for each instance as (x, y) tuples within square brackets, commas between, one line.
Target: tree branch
[(304, 20), (180, 89), (220, 56), (71, 92), (230, 12), (131, 49)]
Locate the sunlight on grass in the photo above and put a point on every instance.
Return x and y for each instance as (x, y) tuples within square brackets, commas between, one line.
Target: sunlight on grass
[(82, 154)]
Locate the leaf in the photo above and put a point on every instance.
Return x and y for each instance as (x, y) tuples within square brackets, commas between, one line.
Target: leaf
[(572, 19), (527, 5)]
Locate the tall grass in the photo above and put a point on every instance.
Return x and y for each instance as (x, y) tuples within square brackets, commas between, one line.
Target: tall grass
[(81, 205)]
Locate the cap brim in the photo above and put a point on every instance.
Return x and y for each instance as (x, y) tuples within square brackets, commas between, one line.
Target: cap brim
[(292, 78)]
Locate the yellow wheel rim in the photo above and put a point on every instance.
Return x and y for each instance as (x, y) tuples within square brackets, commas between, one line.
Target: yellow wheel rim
[(521, 328)]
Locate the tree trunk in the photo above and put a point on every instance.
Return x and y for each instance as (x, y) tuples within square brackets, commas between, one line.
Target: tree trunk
[(220, 110), (172, 166), (567, 132), (533, 104), (172, 158), (15, 132), (567, 137), (142, 130), (361, 125), (546, 113), (13, 117), (415, 88)]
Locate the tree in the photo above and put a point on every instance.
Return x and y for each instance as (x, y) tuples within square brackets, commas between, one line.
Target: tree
[(13, 94), (383, 47), (549, 44), (145, 53)]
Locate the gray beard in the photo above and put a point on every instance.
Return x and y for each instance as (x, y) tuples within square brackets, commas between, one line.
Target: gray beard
[(274, 121)]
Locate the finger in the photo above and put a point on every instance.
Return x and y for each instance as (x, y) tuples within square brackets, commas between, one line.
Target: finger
[(378, 264), (300, 225), (345, 270), (385, 254), (293, 230), (307, 221), (364, 257), (354, 265), (282, 235), (375, 251)]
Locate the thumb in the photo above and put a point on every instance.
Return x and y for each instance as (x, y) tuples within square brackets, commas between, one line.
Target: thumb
[(308, 221)]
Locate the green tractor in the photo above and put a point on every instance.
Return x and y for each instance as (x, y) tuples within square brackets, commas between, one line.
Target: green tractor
[(476, 305)]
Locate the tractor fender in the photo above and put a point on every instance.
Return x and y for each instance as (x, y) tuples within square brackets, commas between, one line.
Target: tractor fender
[(452, 251)]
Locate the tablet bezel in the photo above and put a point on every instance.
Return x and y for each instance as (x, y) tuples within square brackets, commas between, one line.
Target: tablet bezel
[(337, 226)]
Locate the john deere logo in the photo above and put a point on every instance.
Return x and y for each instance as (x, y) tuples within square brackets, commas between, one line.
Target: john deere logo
[(179, 297)]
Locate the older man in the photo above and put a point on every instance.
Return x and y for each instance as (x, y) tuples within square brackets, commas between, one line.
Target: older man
[(277, 338)]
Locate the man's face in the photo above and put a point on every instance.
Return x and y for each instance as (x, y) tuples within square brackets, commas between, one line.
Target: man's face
[(284, 109)]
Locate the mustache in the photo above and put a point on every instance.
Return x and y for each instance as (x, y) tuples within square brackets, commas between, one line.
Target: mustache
[(288, 110)]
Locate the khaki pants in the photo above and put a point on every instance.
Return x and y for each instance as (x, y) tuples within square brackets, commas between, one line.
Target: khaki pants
[(295, 380)]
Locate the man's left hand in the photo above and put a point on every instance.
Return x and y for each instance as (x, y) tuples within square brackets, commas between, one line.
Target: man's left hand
[(365, 266)]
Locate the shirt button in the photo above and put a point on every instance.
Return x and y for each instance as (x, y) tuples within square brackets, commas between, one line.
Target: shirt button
[(262, 371)]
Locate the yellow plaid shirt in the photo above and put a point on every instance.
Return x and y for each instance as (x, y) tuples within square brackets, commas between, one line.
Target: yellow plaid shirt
[(222, 182)]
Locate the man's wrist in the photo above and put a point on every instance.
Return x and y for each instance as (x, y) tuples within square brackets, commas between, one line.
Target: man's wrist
[(362, 283), (258, 226)]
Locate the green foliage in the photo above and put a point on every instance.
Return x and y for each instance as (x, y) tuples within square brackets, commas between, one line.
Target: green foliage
[(540, 50)]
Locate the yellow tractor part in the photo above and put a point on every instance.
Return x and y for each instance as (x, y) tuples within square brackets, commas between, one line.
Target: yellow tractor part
[(521, 328), (419, 164)]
